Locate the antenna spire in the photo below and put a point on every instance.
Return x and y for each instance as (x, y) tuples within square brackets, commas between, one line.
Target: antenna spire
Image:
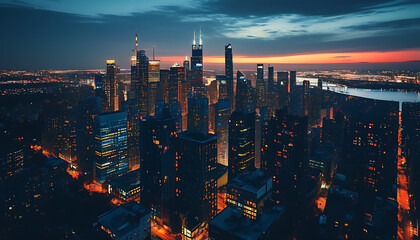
[(201, 42), (194, 39), (153, 52), (137, 43)]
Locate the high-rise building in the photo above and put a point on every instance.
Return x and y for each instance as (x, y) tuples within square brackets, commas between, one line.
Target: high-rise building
[(243, 97), (198, 113), (283, 88), (222, 115), (229, 74), (164, 84), (139, 82), (284, 154), (197, 84), (410, 117), (88, 109), (261, 87), (157, 161), (223, 91), (270, 77), (241, 142), (110, 145), (110, 87), (153, 84), (370, 146), (292, 81), (196, 162)]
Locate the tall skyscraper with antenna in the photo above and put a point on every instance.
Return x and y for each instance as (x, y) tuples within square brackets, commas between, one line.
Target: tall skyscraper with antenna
[(197, 68), (133, 113)]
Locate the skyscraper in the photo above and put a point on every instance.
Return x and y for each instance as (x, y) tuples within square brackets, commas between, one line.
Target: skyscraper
[(196, 161), (198, 87), (283, 88), (164, 84), (110, 145), (175, 77), (153, 84), (242, 93), (270, 78), (292, 80), (157, 156), (229, 74), (223, 87), (198, 113), (110, 87), (284, 154), (241, 142), (140, 81), (261, 87), (88, 109), (222, 115)]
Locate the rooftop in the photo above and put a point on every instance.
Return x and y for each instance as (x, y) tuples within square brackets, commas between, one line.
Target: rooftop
[(124, 218), (251, 181), (233, 222)]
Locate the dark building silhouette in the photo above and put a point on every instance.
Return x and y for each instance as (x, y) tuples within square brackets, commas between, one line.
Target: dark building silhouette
[(283, 88), (198, 112), (157, 168), (229, 74), (284, 154), (196, 183), (88, 109), (292, 81)]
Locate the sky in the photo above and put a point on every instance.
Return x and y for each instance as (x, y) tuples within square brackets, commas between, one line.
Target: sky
[(81, 34)]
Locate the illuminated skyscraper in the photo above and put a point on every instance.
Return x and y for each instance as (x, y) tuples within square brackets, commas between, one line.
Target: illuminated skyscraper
[(261, 87), (153, 84), (139, 80), (110, 145), (222, 115), (229, 74), (110, 87), (270, 78), (241, 142)]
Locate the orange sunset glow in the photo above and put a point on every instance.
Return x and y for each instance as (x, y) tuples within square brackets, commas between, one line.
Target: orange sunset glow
[(314, 58)]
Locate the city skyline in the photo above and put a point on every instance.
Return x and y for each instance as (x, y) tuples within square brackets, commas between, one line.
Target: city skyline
[(43, 35)]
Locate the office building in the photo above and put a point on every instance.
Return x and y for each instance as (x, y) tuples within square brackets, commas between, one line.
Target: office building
[(261, 88), (241, 142), (110, 146), (153, 84)]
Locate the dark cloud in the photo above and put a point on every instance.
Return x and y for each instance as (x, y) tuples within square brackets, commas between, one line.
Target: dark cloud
[(304, 7), (34, 38)]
